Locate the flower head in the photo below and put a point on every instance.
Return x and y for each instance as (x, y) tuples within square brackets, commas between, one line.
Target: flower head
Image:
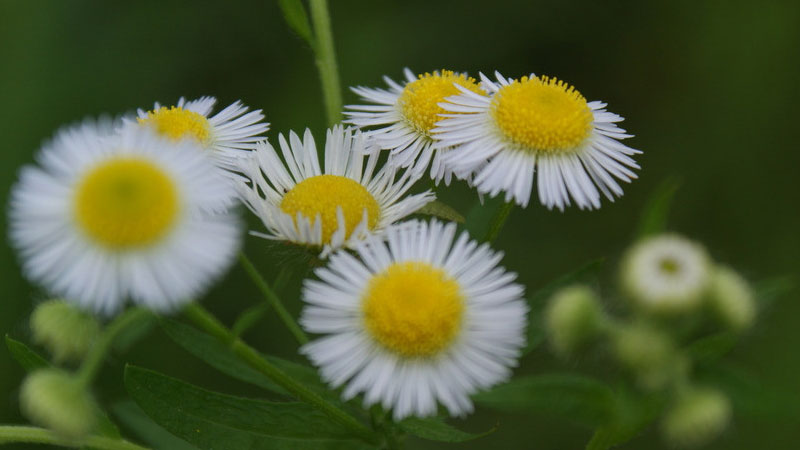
[(329, 207), (226, 134), (420, 319), (536, 123), (405, 115), (114, 216), (666, 273)]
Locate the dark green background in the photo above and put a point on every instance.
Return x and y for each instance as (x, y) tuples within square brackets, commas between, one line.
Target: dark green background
[(710, 89)]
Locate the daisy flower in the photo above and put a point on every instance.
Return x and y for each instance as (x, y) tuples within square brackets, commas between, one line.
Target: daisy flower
[(406, 115), (666, 273), (226, 133), (327, 207), (107, 217), (420, 319), (536, 123)]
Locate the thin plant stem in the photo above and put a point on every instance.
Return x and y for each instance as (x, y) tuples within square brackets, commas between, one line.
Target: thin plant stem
[(498, 221), (91, 364), (206, 321), (35, 435), (326, 60), (273, 299)]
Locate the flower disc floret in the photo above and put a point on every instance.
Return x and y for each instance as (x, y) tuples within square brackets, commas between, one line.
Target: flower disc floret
[(177, 123), (420, 99)]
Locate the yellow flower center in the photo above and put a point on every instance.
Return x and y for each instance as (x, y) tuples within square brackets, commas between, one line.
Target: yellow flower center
[(420, 99), (542, 114), (178, 123), (323, 194), (413, 309), (126, 202)]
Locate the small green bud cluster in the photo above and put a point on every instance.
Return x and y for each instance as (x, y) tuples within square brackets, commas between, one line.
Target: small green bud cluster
[(64, 330), (675, 294)]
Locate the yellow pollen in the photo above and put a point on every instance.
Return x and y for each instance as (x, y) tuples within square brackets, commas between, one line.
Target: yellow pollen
[(126, 202), (542, 115), (323, 194), (178, 123), (413, 309), (420, 99)]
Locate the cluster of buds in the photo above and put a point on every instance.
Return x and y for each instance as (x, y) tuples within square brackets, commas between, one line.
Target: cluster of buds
[(668, 284)]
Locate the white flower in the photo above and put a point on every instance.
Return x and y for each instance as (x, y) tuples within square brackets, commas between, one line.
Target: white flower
[(666, 273), (406, 114), (420, 319), (113, 216), (328, 207), (227, 134), (536, 123)]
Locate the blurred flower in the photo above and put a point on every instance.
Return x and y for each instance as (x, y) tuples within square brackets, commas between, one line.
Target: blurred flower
[(731, 298), (63, 329), (666, 274), (536, 123), (417, 320), (697, 417), (407, 113), (227, 133), (648, 352), (331, 207), (573, 317), (111, 216), (56, 400)]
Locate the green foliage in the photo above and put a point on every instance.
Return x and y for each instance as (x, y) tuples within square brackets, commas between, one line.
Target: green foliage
[(25, 356), (713, 347), (575, 397), (295, 15), (653, 219), (435, 429), (211, 420), (633, 412), (129, 414), (750, 397), (479, 218), (442, 211)]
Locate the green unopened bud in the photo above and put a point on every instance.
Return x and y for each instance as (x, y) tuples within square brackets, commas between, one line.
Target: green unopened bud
[(649, 353), (573, 318), (63, 329), (666, 274), (56, 400), (732, 299), (697, 417)]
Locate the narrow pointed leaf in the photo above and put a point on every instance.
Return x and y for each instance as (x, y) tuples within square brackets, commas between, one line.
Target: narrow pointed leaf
[(296, 17), (129, 414), (434, 429), (442, 211), (713, 347), (633, 414), (654, 217), (479, 217), (578, 398), (25, 356), (215, 421)]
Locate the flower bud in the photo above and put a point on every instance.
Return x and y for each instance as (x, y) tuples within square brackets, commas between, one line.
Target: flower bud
[(731, 298), (697, 417), (648, 352), (666, 274), (54, 399), (63, 329), (573, 318)]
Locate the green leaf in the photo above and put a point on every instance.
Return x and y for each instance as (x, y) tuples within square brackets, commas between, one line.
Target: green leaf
[(295, 15), (214, 421), (128, 413), (25, 356), (219, 356), (633, 413), (442, 211), (479, 217), (575, 397), (654, 216), (749, 396), (435, 429), (536, 332), (768, 291), (713, 347)]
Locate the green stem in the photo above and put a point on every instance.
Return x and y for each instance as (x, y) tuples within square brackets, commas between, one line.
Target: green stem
[(326, 60), (34, 435), (205, 320), (498, 221), (273, 299), (91, 364)]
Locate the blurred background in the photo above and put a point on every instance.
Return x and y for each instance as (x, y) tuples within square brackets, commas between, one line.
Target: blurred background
[(710, 89)]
